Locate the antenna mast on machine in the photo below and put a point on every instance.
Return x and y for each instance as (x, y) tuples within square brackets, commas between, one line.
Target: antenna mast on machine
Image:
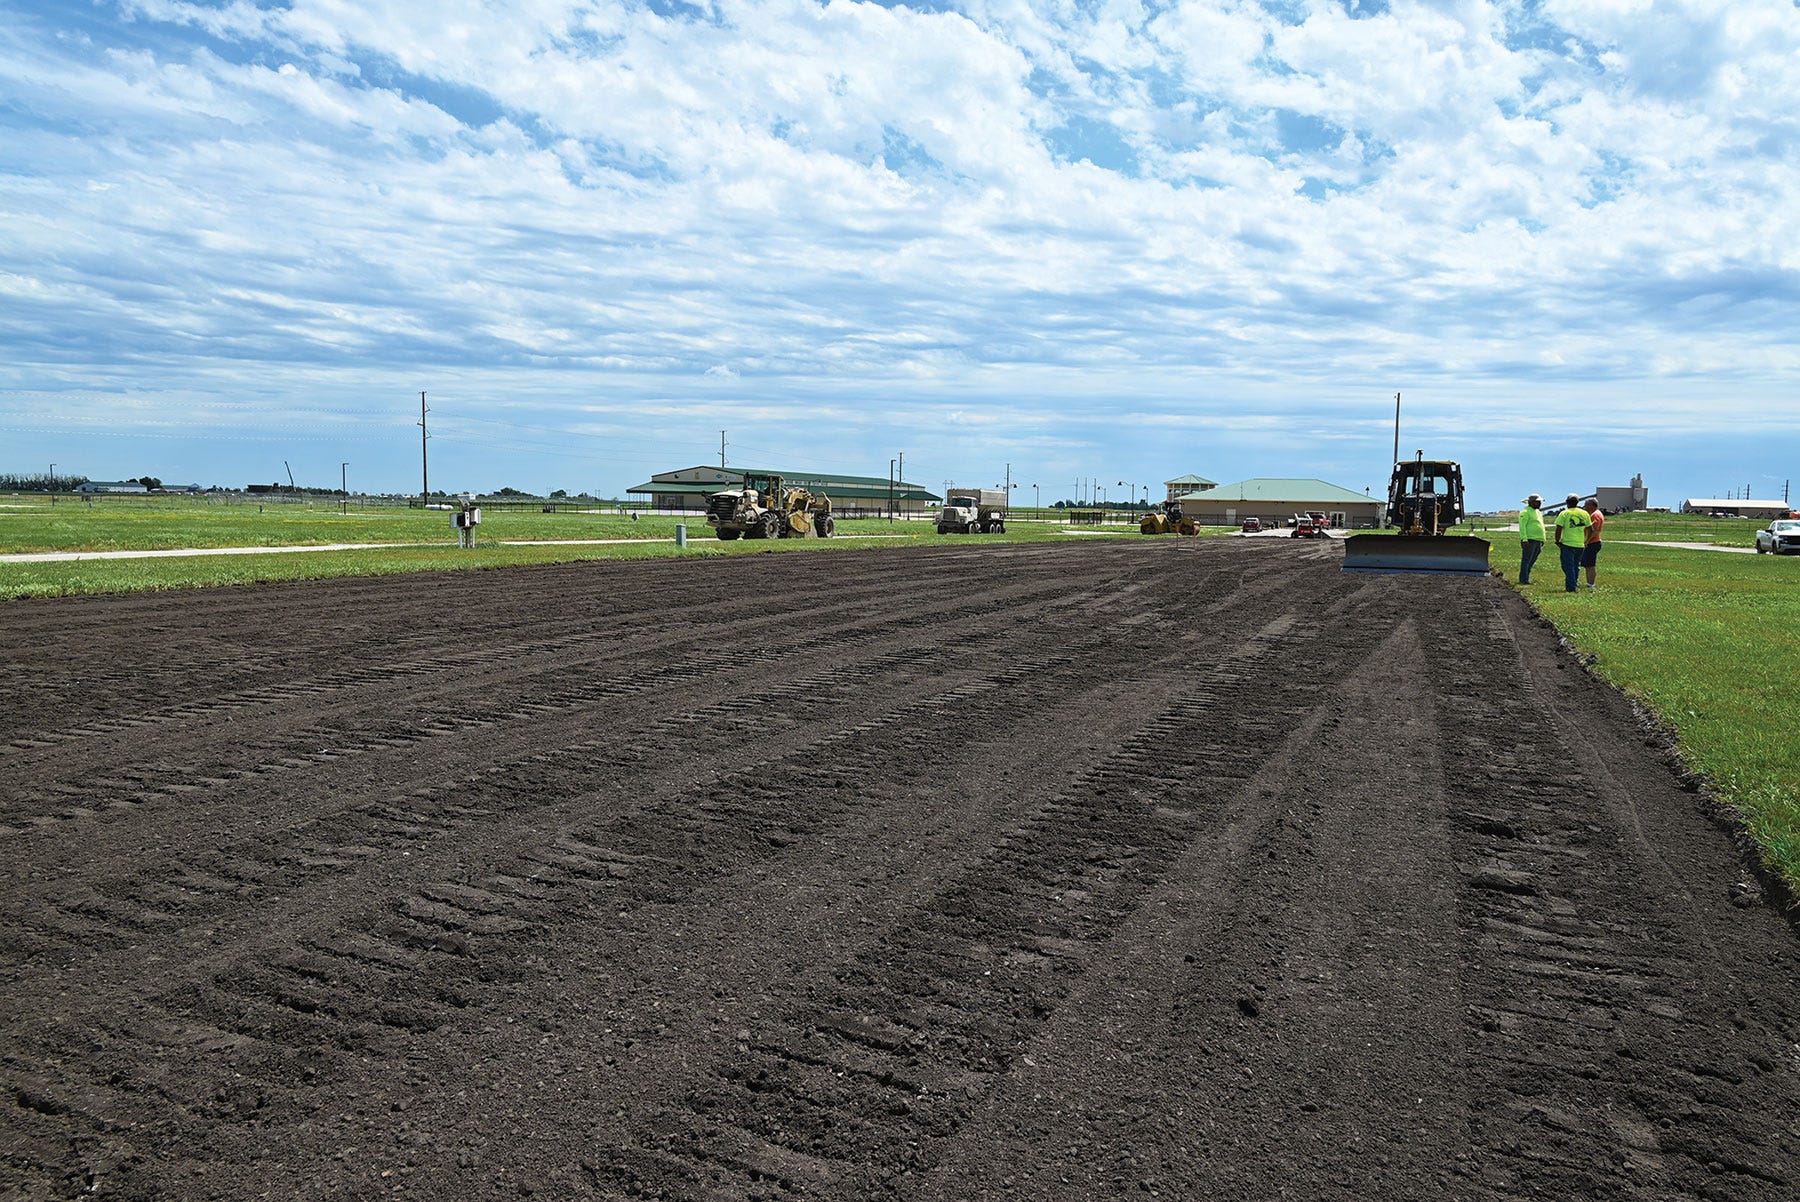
[(1396, 427), (424, 462), (721, 450)]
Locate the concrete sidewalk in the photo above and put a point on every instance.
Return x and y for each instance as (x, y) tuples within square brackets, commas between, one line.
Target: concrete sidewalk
[(72, 556)]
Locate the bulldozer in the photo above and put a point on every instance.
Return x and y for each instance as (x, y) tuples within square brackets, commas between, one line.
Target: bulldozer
[(766, 506), (1168, 520), (1425, 499)]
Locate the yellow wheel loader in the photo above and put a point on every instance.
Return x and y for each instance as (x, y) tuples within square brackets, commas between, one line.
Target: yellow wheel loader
[(765, 506), (1425, 499)]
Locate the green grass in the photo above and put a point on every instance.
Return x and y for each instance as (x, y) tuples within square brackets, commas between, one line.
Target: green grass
[(1644, 527), (30, 524), (1711, 643), (128, 524)]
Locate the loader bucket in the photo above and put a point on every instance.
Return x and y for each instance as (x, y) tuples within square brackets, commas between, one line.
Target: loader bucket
[(1445, 555)]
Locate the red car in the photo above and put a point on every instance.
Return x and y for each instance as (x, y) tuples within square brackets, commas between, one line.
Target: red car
[(1252, 526)]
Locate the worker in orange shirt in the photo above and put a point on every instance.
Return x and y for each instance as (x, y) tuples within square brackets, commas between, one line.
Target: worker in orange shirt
[(1590, 551)]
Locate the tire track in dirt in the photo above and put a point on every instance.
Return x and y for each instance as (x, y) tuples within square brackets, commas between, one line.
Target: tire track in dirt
[(401, 826), (873, 904), (471, 623), (555, 701), (1235, 1016), (854, 1099), (1613, 1062)]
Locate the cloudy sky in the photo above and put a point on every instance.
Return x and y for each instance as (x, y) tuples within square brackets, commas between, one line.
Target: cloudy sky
[(1113, 240)]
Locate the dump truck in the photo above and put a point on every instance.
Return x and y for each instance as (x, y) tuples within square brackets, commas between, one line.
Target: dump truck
[(1425, 499), (1168, 519), (973, 511), (766, 506)]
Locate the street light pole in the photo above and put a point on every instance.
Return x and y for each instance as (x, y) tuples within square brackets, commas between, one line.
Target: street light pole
[(53, 484), (890, 490)]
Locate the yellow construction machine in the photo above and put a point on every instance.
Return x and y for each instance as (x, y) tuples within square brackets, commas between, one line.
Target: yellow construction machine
[(1425, 499), (765, 506), (1168, 520)]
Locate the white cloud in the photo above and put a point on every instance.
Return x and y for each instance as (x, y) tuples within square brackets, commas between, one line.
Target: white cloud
[(1095, 200)]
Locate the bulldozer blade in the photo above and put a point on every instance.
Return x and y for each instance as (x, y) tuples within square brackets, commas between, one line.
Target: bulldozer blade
[(1451, 555)]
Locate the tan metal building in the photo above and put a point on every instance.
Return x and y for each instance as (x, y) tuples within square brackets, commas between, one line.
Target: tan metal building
[(1181, 486), (1623, 499), (1274, 500)]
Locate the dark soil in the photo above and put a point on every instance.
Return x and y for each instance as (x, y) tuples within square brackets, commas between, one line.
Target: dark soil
[(1071, 872)]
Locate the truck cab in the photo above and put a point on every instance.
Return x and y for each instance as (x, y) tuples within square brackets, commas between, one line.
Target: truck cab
[(973, 511)]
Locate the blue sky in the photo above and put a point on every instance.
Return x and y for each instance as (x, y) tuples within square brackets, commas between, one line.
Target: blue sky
[(1108, 240)]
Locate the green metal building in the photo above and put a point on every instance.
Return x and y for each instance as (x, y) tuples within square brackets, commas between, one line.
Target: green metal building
[(684, 490)]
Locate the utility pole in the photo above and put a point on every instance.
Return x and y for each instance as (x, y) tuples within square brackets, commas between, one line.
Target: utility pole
[(721, 450), (890, 490), (424, 460), (902, 477), (53, 484), (344, 484)]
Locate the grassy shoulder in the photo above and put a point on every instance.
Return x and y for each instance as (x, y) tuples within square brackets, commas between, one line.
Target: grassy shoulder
[(1711, 643), (1640, 528)]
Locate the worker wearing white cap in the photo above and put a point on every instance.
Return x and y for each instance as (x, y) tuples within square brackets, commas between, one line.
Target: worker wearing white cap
[(1531, 535)]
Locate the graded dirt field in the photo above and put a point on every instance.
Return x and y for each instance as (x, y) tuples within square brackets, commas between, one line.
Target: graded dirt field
[(1067, 872)]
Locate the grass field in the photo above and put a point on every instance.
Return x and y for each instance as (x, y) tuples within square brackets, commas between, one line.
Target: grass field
[(1711, 643), (1647, 527), (423, 541), (128, 524)]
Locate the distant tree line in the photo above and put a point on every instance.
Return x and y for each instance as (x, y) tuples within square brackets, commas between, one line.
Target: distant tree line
[(41, 482), (1108, 504)]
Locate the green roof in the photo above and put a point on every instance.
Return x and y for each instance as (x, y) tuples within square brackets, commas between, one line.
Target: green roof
[(1270, 489), (1190, 478), (836, 486)]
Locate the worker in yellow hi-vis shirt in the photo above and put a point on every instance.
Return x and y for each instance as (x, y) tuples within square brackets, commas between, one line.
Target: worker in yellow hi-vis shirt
[(1531, 535), (1571, 536)]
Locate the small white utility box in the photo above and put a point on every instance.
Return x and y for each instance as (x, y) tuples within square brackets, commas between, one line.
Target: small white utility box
[(465, 520)]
